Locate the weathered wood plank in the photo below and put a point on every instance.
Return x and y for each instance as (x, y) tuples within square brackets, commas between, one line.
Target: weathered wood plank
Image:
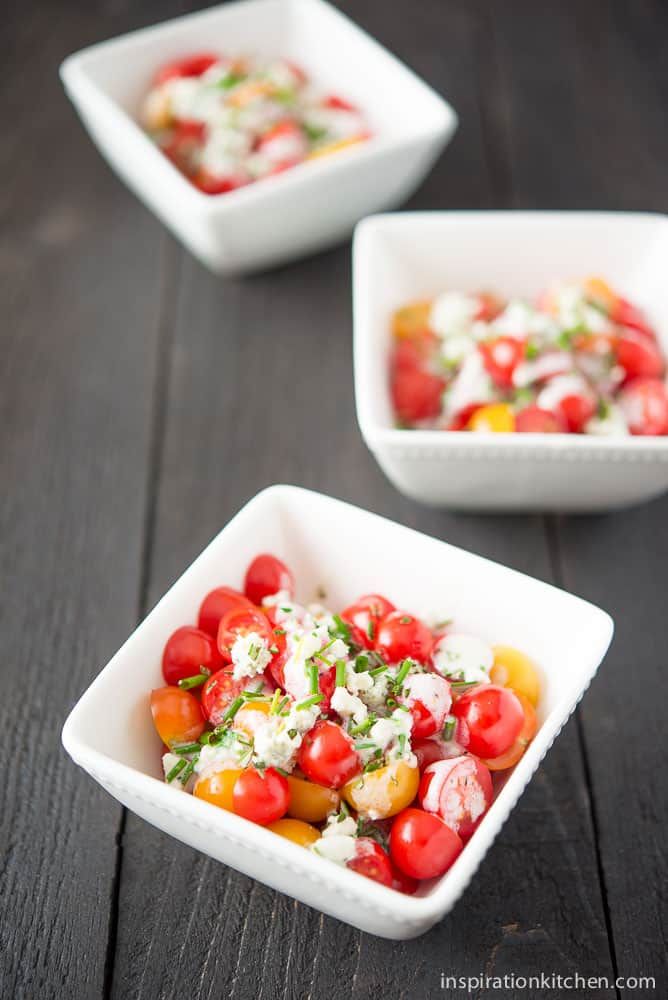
[(80, 284)]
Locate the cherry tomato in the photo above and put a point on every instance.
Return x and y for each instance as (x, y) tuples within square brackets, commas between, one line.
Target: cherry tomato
[(411, 353), (511, 757), (401, 635), (177, 715), (371, 861), (260, 796), (403, 883), (533, 420), (365, 615), (494, 418), (461, 419), (384, 792), (501, 357), (428, 697), (411, 319), (216, 604), (459, 790), (265, 576), (491, 719), (310, 802), (575, 410), (190, 66), (338, 103), (285, 145), (251, 716), (219, 692), (217, 788), (241, 620), (416, 394), (327, 755), (183, 143), (626, 314), (428, 751), (186, 651), (424, 723), (639, 355), (515, 670), (490, 306), (644, 402), (219, 183), (421, 845), (295, 830)]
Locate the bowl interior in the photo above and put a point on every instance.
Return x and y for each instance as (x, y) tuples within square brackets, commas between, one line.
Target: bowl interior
[(399, 258), (335, 53)]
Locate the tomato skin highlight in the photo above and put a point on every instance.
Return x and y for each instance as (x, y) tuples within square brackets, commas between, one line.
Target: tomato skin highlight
[(186, 651), (491, 719), (261, 797), (177, 715), (401, 636), (421, 845), (215, 605), (371, 861), (327, 755), (265, 576)]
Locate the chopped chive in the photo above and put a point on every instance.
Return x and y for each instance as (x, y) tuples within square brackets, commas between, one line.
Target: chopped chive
[(192, 682), (281, 771), (176, 770), (361, 663), (402, 708), (405, 619), (281, 706), (313, 678), (401, 740), (371, 629), (205, 738), (292, 733), (377, 671), (254, 695), (363, 728), (391, 702), (187, 771), (186, 748), (449, 728), (344, 811), (340, 673), (279, 631), (233, 709), (273, 708), (313, 700), (364, 746), (341, 630), (287, 610), (463, 685), (444, 623), (373, 765), (402, 672)]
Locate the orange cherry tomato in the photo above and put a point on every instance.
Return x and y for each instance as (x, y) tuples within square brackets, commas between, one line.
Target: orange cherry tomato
[(411, 319), (515, 670), (295, 830), (528, 731), (250, 716), (217, 788), (496, 418), (385, 792), (177, 715), (309, 801)]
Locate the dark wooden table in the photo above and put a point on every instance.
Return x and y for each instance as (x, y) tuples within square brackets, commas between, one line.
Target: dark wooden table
[(144, 401)]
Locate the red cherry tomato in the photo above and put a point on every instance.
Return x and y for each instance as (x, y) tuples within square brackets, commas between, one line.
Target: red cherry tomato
[(428, 751), (177, 715), (338, 103), (626, 314), (491, 719), (639, 355), (190, 66), (424, 723), (186, 651), (459, 790), (461, 419), (265, 576), (412, 352), (501, 357), (421, 845), (284, 145), (416, 395), (219, 184), (401, 635), (241, 620), (328, 756), (372, 861), (403, 883), (533, 420), (183, 143), (216, 604), (575, 411), (219, 692), (644, 402), (365, 615), (261, 797)]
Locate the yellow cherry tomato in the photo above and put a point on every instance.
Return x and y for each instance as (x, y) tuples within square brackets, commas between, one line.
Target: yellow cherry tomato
[(496, 418), (250, 716), (411, 319), (515, 670), (295, 830), (249, 91), (218, 787), (309, 801), (384, 792), (334, 147), (601, 292)]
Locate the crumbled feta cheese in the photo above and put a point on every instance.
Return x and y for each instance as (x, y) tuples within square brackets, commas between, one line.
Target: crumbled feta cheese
[(453, 313), (348, 705), (471, 384), (250, 655), (520, 319), (538, 369), (234, 751), (611, 423), (276, 743), (337, 842), (463, 657), (432, 691), (559, 387), (454, 349)]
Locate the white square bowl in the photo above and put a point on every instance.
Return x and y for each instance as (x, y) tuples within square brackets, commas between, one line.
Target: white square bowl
[(311, 206), (417, 255), (109, 732)]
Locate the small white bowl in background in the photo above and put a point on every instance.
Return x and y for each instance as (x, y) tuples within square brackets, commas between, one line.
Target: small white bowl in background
[(306, 208), (407, 256), (110, 733)]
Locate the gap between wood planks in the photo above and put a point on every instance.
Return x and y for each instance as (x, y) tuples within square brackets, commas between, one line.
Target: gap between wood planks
[(173, 256)]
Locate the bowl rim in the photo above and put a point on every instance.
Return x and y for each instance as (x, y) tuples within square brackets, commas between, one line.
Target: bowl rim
[(409, 911), (75, 79), (421, 443)]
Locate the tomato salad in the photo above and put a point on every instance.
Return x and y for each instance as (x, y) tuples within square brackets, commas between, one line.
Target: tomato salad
[(225, 122), (580, 359), (365, 736)]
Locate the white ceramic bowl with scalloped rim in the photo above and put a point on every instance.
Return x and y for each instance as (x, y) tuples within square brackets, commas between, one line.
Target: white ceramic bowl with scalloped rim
[(417, 255), (304, 209), (567, 636)]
